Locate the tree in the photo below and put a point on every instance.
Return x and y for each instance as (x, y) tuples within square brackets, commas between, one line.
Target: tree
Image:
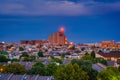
[(3, 58), (30, 58), (40, 64), (111, 73), (86, 65), (14, 68), (57, 60), (33, 57), (119, 68), (37, 68), (93, 54), (3, 53), (50, 69), (40, 54), (24, 54), (79, 73), (62, 56), (86, 53), (70, 72), (87, 57), (100, 60), (15, 60)]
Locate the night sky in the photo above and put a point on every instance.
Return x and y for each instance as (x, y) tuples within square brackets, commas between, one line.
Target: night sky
[(85, 21)]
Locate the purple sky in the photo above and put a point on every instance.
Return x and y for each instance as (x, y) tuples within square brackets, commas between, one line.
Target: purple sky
[(57, 7)]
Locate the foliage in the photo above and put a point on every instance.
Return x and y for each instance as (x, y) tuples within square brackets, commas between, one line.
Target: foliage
[(86, 65), (15, 60), (92, 74), (40, 64), (3, 53), (70, 72), (37, 68), (24, 54), (40, 54), (94, 60), (86, 53), (50, 69), (30, 58), (14, 68), (100, 60), (3, 58), (111, 73), (87, 57), (57, 60), (52, 57), (119, 68), (62, 56), (93, 54)]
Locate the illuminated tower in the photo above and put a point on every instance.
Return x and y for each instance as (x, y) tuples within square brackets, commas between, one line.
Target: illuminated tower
[(58, 37)]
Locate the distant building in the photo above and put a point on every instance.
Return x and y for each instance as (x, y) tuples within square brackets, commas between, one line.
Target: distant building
[(33, 42), (58, 38), (110, 44), (118, 45)]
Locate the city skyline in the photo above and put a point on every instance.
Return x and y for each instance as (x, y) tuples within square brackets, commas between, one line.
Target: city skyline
[(85, 21)]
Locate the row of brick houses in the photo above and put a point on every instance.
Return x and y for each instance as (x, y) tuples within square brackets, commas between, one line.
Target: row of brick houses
[(110, 44)]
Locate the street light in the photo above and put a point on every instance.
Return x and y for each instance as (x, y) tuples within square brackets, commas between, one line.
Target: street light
[(1, 69)]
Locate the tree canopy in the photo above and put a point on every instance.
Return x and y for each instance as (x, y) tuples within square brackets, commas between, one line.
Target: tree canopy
[(40, 54), (86, 65), (30, 58), (50, 69), (100, 60), (57, 60), (14, 68), (93, 54), (24, 54), (111, 73), (37, 68), (70, 72), (4, 53), (3, 58)]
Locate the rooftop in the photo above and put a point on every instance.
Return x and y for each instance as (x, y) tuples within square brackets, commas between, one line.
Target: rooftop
[(115, 55)]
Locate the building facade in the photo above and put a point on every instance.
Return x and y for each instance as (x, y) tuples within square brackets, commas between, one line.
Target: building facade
[(58, 38), (33, 42), (110, 44)]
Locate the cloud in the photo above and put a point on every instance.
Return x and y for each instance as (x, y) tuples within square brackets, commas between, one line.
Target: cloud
[(57, 7)]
